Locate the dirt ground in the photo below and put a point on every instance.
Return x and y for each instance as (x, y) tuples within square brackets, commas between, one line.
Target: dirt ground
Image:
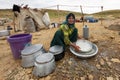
[(104, 66)]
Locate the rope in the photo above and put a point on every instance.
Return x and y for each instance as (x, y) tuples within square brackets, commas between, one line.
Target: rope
[(74, 6)]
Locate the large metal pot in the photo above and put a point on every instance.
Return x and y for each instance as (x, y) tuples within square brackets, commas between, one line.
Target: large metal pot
[(44, 65), (30, 53), (57, 51), (4, 33)]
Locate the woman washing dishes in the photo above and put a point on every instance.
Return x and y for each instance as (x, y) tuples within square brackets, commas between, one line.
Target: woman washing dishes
[(67, 34)]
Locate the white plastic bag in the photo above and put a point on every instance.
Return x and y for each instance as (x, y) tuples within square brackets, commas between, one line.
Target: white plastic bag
[(46, 19)]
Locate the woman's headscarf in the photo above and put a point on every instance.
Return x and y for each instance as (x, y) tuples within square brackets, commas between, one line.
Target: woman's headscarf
[(66, 21)]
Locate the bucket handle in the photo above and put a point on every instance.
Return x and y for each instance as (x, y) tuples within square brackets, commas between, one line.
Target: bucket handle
[(27, 44)]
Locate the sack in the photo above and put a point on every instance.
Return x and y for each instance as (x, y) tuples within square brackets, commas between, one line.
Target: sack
[(46, 19)]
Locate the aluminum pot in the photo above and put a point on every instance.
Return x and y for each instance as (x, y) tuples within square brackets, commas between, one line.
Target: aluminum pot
[(57, 51), (4, 33), (30, 53), (44, 65)]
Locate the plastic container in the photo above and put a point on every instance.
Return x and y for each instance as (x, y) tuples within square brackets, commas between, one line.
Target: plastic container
[(18, 42), (86, 32)]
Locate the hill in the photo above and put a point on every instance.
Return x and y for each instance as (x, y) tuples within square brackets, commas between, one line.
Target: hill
[(54, 13), (112, 13), (6, 13)]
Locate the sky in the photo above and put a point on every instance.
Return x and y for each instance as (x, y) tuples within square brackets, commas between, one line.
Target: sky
[(88, 6)]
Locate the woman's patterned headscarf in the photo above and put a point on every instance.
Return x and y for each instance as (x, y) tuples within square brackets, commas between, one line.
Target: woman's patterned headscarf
[(66, 21)]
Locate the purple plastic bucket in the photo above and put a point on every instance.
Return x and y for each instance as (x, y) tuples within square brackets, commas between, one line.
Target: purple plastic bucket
[(18, 42)]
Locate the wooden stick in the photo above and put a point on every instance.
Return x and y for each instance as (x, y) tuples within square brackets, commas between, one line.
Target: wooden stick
[(14, 22), (58, 12), (101, 15), (82, 14)]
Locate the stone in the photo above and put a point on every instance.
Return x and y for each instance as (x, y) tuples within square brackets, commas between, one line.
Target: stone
[(98, 66), (90, 77), (117, 78), (109, 64), (106, 58), (112, 37), (115, 60), (70, 62), (26, 77), (109, 78), (102, 78), (94, 41), (9, 72), (82, 78), (28, 71), (102, 62)]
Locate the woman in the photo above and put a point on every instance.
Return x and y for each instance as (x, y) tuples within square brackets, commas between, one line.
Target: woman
[(67, 34)]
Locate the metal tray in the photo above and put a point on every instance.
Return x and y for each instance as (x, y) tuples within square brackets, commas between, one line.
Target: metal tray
[(91, 53)]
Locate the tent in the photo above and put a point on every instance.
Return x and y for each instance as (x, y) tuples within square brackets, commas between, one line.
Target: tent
[(31, 19)]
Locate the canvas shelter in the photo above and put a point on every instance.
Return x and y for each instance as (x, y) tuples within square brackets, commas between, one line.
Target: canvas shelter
[(31, 19)]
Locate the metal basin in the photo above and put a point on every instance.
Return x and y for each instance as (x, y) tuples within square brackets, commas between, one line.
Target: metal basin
[(89, 54)]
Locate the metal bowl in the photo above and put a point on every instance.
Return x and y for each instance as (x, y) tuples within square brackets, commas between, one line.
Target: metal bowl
[(91, 53), (57, 51)]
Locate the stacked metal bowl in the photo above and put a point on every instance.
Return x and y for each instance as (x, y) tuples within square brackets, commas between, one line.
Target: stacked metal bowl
[(87, 49), (57, 51)]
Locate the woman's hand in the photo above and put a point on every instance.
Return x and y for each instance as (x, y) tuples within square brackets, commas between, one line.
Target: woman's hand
[(79, 37), (77, 48)]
